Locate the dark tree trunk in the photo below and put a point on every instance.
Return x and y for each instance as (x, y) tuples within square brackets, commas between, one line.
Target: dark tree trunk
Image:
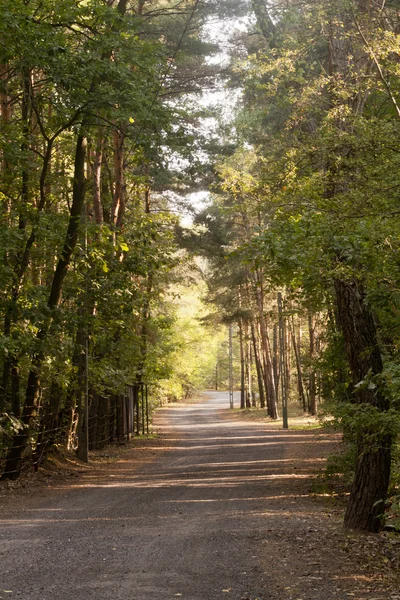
[(97, 164), (272, 383), (50, 429), (248, 382), (312, 403), (10, 314), (296, 348), (368, 492), (14, 458), (15, 389), (264, 21), (118, 209), (258, 367), (373, 462), (242, 368)]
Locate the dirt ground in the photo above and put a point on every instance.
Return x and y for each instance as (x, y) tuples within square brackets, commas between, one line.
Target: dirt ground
[(219, 504)]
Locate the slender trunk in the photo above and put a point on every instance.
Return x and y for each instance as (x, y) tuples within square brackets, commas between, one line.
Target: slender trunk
[(21, 265), (288, 357), (264, 21), (248, 366), (258, 366), (14, 458), (282, 362), (305, 393), (270, 383), (312, 407), (5, 101), (50, 429), (15, 389), (275, 357), (10, 314), (119, 187), (145, 318), (272, 393), (97, 165), (296, 348), (242, 367)]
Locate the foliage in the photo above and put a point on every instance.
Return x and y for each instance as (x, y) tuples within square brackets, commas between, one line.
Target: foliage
[(307, 205), (87, 131)]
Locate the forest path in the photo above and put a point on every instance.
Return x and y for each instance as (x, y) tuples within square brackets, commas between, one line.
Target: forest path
[(224, 512)]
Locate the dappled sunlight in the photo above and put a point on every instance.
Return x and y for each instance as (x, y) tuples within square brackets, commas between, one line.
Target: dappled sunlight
[(210, 492), (216, 423), (34, 522), (175, 510), (265, 462), (260, 443), (198, 482), (246, 483), (287, 437), (237, 499)]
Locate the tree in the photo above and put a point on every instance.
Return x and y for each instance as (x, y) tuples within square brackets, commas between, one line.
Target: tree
[(88, 126), (314, 121)]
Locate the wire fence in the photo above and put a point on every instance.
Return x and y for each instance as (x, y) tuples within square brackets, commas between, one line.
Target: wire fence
[(111, 419)]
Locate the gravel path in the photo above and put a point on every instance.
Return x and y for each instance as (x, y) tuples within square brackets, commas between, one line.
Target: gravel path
[(223, 512)]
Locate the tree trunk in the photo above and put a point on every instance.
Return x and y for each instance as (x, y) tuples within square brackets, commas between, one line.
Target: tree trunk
[(258, 366), (14, 458), (270, 383), (282, 362), (264, 21), (50, 429), (296, 348), (97, 164), (242, 367), (312, 406), (118, 210), (26, 116), (247, 344), (371, 479)]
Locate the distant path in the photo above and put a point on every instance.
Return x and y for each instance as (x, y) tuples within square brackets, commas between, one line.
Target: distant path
[(223, 513)]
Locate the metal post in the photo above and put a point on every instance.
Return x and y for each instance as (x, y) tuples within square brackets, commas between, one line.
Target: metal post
[(285, 424), (230, 366)]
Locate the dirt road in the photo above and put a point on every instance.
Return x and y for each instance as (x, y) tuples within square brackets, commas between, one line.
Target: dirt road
[(224, 512)]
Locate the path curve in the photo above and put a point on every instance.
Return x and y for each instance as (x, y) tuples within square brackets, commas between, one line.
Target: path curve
[(224, 512)]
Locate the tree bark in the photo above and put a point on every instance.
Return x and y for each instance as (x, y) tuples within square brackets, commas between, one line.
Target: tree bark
[(14, 458), (258, 366), (371, 479), (270, 383), (242, 367), (264, 21), (312, 397), (97, 164), (118, 210), (248, 366), (296, 348)]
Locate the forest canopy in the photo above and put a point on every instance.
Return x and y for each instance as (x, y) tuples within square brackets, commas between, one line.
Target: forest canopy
[(109, 124)]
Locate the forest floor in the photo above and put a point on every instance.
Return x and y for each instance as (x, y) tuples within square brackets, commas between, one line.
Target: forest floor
[(220, 504)]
